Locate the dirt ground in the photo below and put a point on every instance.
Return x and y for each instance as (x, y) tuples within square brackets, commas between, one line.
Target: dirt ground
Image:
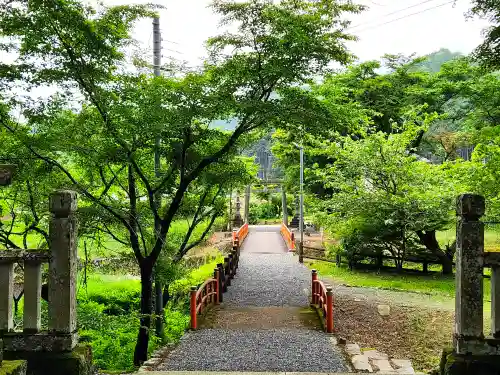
[(315, 239), (417, 328), (219, 241)]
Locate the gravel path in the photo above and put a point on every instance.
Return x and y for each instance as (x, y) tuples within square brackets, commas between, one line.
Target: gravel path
[(255, 350), (268, 276)]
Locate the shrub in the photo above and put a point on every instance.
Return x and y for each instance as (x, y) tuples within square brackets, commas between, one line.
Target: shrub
[(112, 338)]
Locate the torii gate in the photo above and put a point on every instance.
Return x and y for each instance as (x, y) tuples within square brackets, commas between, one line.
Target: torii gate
[(248, 191)]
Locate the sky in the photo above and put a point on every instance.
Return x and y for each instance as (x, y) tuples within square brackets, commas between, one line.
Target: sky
[(425, 26)]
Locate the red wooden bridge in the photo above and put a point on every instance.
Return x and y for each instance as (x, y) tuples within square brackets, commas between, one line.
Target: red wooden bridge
[(210, 293), (259, 313)]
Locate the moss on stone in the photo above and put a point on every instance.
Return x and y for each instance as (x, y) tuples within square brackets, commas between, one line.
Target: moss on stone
[(13, 367), (76, 362)]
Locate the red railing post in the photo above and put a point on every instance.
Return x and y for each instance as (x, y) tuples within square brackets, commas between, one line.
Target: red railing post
[(221, 282), (314, 275), (217, 285), (329, 310), (194, 324), (292, 240)]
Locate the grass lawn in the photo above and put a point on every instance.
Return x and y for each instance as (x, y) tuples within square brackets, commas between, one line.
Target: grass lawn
[(491, 237), (432, 284)]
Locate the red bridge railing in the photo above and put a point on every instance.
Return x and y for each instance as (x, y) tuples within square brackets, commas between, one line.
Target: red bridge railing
[(240, 235), (322, 300), (288, 237), (210, 293), (201, 297)]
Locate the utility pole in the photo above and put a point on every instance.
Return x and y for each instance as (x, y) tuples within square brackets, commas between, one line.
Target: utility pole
[(158, 283), (301, 215), (301, 223)]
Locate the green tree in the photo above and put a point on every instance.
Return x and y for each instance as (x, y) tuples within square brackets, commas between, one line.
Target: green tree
[(387, 199), (488, 52), (104, 149)]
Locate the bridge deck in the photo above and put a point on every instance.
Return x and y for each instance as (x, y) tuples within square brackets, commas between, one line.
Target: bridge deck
[(264, 323)]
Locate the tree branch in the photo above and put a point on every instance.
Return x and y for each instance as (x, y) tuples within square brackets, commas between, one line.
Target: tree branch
[(71, 178), (183, 252), (132, 221)]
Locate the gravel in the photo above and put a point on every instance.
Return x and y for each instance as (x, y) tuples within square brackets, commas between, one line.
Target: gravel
[(269, 280), (256, 350), (267, 276)]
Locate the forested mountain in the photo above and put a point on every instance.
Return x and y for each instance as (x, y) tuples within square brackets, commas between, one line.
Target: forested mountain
[(434, 60)]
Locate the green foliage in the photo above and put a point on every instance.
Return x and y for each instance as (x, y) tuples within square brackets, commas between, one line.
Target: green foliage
[(488, 52), (386, 198), (112, 337), (120, 294), (108, 316)]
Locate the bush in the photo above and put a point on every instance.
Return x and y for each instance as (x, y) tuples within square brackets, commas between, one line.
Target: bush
[(112, 337), (108, 320), (263, 211)]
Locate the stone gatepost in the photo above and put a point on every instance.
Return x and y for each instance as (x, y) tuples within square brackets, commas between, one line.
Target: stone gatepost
[(63, 266), (469, 272)]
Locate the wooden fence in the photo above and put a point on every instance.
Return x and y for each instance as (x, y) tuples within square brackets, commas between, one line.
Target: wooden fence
[(319, 254), (210, 293)]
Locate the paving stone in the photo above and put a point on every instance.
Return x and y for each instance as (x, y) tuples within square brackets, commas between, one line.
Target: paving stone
[(361, 363), (353, 349), (334, 341), (382, 365), (407, 371), (375, 354), (384, 310), (401, 363), (403, 366)]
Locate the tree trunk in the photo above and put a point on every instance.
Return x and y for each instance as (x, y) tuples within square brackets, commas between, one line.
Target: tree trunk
[(141, 347), (159, 308), (166, 295), (447, 265), (428, 239)]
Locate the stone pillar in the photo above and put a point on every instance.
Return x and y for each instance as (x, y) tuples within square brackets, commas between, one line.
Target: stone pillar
[(6, 296), (284, 205), (32, 296), (469, 270), (63, 262), (495, 301)]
